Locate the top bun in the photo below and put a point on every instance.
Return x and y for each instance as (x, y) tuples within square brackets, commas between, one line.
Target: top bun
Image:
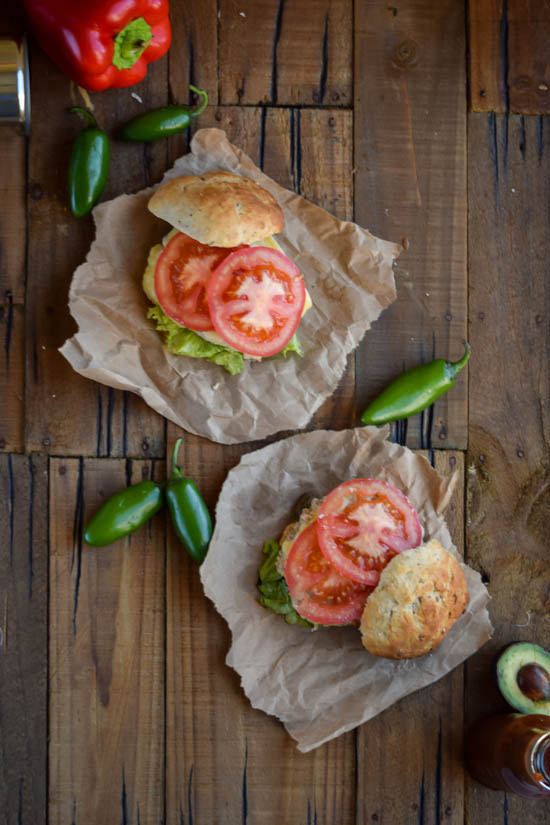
[(420, 595), (218, 208)]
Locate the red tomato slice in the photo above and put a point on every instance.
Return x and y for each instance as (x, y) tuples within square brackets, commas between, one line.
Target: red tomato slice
[(362, 524), (256, 297), (319, 592), (182, 273)]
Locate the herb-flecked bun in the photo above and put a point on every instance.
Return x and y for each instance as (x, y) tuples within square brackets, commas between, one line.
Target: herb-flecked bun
[(218, 208), (420, 595)]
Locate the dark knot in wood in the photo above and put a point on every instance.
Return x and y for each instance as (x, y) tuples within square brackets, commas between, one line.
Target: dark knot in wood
[(405, 54)]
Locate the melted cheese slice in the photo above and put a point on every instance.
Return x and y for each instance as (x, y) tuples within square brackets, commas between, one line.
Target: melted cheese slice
[(148, 283)]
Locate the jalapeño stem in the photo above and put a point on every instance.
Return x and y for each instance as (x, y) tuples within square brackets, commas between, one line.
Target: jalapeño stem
[(82, 112), (175, 471), (452, 368), (202, 105)]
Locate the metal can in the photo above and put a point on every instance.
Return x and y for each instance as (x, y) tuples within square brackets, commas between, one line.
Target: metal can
[(15, 96)]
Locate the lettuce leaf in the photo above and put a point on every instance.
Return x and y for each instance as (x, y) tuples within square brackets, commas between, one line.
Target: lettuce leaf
[(183, 341), (273, 588), (293, 346)]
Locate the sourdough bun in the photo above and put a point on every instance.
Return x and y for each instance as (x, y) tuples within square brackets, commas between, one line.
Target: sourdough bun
[(218, 208), (420, 595)]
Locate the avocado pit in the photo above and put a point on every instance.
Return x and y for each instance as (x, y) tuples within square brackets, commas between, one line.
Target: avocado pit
[(534, 682)]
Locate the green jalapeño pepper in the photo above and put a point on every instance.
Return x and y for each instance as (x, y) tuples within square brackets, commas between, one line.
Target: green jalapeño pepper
[(189, 513), (163, 122), (123, 513), (415, 390), (88, 166)]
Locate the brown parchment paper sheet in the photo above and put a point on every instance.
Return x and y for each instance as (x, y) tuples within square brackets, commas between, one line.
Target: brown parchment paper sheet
[(322, 683), (348, 273)]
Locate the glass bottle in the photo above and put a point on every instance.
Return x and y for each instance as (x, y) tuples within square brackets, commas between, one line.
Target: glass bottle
[(511, 752)]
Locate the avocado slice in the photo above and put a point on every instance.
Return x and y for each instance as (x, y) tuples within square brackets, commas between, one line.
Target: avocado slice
[(523, 675)]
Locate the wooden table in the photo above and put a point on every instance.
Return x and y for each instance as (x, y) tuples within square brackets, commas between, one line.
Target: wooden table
[(115, 702)]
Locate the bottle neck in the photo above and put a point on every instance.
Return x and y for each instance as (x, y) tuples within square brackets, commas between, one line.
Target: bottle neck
[(540, 760)]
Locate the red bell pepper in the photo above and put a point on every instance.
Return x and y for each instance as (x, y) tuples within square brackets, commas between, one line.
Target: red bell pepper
[(101, 43)]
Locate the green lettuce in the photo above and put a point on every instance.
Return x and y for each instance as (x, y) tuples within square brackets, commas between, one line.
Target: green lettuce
[(273, 588), (293, 346), (183, 341)]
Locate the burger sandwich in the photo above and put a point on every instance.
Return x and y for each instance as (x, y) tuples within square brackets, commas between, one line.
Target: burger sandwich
[(221, 287), (356, 557)]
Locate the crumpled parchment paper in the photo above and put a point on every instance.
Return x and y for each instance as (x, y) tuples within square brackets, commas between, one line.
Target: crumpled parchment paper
[(322, 683), (348, 273)]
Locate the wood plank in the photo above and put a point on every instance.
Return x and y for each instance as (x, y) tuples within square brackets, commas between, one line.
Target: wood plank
[(106, 749), (409, 757), (12, 288), (508, 48), (508, 502), (195, 59), (287, 53), (12, 374), (100, 422), (221, 754), (23, 639), (487, 50), (528, 58), (410, 185)]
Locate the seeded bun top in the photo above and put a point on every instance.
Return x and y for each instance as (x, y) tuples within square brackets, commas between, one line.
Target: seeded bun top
[(420, 595), (218, 208)]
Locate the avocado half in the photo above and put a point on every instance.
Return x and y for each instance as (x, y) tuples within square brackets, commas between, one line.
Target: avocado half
[(523, 674)]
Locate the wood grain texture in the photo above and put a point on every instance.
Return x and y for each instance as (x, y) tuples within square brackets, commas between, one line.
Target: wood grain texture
[(106, 708), (102, 421), (508, 459), (410, 187), (509, 62), (287, 53), (221, 755), (23, 639), (487, 52), (12, 374), (410, 756), (12, 288), (528, 56), (195, 60)]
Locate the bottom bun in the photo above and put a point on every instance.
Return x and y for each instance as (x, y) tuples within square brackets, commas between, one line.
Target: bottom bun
[(420, 595)]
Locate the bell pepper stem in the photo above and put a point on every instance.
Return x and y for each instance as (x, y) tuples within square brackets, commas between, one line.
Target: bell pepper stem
[(131, 42), (175, 471), (82, 112), (202, 105), (454, 367)]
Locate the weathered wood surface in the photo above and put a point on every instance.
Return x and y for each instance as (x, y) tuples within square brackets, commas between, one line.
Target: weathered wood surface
[(488, 50), (146, 723), (509, 61), (266, 46), (508, 457), (410, 187), (12, 291), (107, 653), (23, 639)]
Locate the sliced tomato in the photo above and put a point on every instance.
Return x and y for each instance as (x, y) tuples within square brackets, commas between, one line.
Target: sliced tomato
[(362, 524), (182, 273), (320, 593), (256, 297)]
